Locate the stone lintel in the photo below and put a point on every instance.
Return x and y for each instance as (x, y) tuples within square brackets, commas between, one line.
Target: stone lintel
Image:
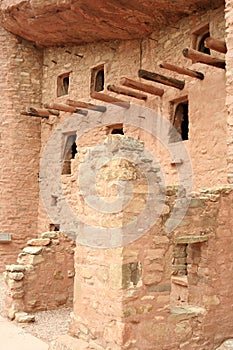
[(191, 239)]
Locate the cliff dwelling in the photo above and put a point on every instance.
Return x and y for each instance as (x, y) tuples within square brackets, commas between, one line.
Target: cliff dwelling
[(116, 176)]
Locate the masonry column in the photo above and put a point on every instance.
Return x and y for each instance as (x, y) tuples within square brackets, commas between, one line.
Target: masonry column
[(229, 85), (20, 83), (108, 276)]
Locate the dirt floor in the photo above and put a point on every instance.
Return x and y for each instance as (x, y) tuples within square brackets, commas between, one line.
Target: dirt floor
[(48, 326)]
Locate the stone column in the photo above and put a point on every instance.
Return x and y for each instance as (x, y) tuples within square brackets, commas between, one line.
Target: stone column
[(107, 274)]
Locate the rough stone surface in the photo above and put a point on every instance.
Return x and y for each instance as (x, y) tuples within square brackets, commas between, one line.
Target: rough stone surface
[(227, 345), (160, 291), (52, 22), (45, 281), (23, 317), (32, 250), (38, 242)]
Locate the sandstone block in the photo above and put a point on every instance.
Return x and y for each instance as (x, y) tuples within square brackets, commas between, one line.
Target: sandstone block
[(16, 294), (50, 235), (29, 259), (38, 242), (17, 276), (15, 268), (32, 250), (23, 317), (12, 284), (227, 345)]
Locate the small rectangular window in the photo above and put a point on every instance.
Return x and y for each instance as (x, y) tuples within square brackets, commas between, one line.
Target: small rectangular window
[(63, 82), (179, 131), (70, 151), (199, 35), (97, 78)]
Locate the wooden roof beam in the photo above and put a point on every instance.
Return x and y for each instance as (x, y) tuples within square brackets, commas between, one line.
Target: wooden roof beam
[(158, 78), (133, 84)]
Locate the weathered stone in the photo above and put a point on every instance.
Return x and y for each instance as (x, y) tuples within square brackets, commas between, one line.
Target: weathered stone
[(12, 284), (226, 345), (38, 242), (29, 259), (58, 275), (16, 294), (50, 235), (70, 273), (15, 268), (32, 250), (23, 317), (17, 276), (191, 239)]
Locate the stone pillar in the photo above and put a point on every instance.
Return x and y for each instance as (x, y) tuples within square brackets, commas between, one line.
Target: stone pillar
[(20, 82), (229, 85), (108, 275)]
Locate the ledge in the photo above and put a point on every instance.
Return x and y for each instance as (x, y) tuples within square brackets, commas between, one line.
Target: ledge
[(190, 310), (182, 281), (191, 239)]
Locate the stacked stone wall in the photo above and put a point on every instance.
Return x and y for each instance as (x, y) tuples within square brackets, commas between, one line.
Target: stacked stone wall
[(43, 278)]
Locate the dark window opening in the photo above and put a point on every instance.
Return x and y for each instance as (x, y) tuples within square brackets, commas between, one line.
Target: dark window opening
[(201, 45), (54, 227), (199, 35), (116, 129), (63, 82), (97, 79), (69, 154), (180, 123)]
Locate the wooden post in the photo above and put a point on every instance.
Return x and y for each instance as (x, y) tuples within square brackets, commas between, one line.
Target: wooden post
[(178, 84), (181, 70), (109, 99), (133, 84), (216, 45), (30, 114), (90, 106), (65, 108), (127, 92), (201, 57)]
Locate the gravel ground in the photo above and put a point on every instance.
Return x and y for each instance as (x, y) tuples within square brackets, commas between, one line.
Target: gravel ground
[(48, 326)]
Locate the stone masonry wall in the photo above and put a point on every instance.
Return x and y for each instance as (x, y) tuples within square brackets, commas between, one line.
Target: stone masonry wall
[(157, 294), (20, 138), (43, 277), (207, 109)]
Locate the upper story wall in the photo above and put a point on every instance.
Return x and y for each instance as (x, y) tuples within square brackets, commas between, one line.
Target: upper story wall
[(207, 143)]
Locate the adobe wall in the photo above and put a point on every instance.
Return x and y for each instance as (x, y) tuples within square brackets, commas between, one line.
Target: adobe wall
[(207, 109), (21, 68)]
